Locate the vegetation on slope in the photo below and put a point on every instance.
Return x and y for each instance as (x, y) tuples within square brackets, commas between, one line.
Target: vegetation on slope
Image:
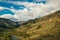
[(45, 28)]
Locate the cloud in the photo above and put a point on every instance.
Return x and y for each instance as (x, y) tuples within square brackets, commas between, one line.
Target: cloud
[(1, 8), (34, 10), (11, 17), (6, 16)]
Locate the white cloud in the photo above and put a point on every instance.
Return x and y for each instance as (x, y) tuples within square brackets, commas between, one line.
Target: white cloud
[(6, 16), (1, 8), (34, 10), (11, 17)]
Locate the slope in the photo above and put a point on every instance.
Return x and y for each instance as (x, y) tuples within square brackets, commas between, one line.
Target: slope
[(45, 28)]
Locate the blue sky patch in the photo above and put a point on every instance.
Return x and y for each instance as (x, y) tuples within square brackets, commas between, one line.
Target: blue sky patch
[(6, 4), (6, 11)]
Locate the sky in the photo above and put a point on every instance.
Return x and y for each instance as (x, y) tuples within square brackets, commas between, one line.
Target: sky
[(24, 10)]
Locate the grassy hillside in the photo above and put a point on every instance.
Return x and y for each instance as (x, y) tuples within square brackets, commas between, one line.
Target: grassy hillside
[(45, 28)]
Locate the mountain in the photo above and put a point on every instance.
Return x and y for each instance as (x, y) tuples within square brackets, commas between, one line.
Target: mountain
[(7, 24), (45, 28)]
